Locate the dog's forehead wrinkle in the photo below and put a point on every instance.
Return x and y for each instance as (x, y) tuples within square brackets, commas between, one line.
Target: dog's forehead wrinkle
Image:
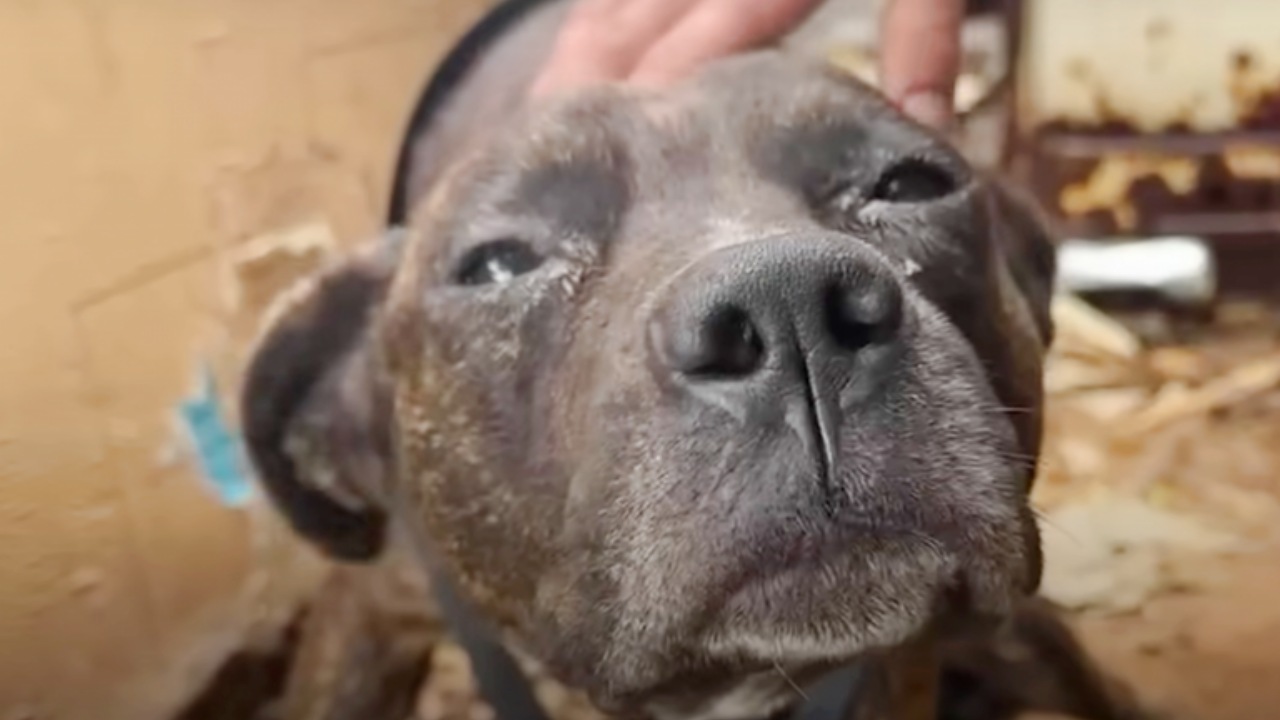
[(590, 122), (768, 72), (676, 162), (768, 88), (730, 230)]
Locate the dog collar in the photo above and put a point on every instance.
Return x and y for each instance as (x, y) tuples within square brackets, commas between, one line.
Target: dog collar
[(502, 684)]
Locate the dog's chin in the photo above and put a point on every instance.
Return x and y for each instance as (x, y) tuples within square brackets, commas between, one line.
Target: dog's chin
[(864, 599)]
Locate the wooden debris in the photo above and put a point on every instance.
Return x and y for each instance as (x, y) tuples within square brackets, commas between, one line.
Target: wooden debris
[(1068, 375), (1179, 403), (1179, 364), (1145, 450), (1084, 330), (1112, 553)]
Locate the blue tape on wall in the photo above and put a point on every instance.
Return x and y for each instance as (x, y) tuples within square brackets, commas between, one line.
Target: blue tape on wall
[(217, 447)]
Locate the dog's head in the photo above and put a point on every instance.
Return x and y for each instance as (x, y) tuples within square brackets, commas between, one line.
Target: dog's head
[(740, 375)]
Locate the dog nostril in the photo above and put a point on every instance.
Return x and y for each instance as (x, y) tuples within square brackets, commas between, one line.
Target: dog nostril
[(726, 345), (858, 317)]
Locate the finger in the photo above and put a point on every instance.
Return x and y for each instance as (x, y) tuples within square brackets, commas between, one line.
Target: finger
[(604, 40), (920, 56), (715, 28)]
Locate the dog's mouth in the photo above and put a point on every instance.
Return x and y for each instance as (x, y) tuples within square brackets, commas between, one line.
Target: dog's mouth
[(774, 557), (827, 587), (828, 603), (815, 552)]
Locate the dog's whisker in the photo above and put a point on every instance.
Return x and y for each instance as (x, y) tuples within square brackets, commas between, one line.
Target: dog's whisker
[(1023, 461), (1006, 410), (1043, 518), (1015, 455), (799, 690)]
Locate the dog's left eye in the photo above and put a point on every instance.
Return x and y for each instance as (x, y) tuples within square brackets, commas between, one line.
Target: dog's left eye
[(496, 262), (912, 181)]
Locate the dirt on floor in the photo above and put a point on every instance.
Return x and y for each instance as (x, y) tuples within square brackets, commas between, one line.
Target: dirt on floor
[(1213, 654), (1160, 494)]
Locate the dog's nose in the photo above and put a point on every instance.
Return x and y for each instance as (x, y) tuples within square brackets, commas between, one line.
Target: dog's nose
[(774, 305), (760, 326)]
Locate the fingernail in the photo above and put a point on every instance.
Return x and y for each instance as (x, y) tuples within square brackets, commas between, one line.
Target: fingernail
[(930, 108)]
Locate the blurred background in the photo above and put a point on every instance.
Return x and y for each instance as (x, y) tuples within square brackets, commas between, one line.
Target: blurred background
[(169, 167)]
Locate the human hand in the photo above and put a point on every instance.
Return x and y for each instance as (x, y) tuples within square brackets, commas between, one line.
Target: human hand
[(920, 57), (656, 42)]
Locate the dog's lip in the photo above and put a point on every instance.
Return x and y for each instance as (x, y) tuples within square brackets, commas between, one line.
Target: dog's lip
[(806, 554), (788, 581), (805, 548), (952, 590)]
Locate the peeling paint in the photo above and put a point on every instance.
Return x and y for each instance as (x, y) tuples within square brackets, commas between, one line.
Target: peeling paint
[(1162, 120), (267, 264), (132, 186), (1151, 65), (1109, 187), (1253, 162), (216, 447)]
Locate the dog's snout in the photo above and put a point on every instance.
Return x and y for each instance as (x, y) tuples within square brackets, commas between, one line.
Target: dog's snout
[(754, 321)]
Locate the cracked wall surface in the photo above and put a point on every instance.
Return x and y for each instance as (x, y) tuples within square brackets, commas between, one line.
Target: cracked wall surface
[(151, 153)]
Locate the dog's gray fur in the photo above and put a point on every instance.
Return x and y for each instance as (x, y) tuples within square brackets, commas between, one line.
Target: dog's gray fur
[(645, 539)]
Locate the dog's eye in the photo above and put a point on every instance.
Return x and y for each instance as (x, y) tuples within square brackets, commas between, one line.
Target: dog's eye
[(498, 261), (913, 181)]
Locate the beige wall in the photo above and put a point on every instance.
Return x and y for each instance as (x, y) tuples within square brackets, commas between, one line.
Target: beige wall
[(144, 144)]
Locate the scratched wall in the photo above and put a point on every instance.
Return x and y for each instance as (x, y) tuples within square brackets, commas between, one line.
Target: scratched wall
[(164, 166)]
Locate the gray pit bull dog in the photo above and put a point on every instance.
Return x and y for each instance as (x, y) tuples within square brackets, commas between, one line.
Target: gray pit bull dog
[(694, 393)]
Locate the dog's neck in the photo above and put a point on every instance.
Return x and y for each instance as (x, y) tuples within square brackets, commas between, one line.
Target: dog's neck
[(760, 696), (765, 695)]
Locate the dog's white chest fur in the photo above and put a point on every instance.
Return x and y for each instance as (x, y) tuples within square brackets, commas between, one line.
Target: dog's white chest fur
[(756, 697)]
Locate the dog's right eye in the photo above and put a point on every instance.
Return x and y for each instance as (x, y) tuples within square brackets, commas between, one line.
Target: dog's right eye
[(912, 181), (496, 262)]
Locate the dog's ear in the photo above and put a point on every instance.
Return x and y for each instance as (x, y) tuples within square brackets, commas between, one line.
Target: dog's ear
[(1015, 328), (1028, 250), (315, 406)]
